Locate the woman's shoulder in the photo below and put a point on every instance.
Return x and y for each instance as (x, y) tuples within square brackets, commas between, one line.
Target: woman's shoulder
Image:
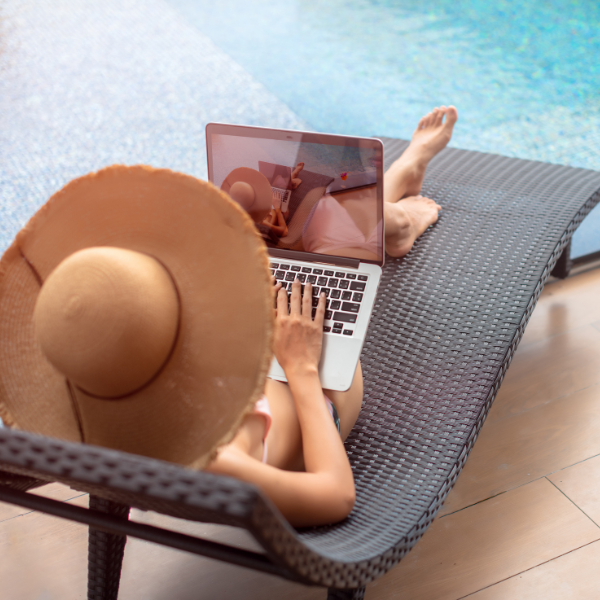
[(248, 443)]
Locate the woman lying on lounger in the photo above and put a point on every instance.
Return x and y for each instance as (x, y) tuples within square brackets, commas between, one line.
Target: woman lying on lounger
[(123, 326), (291, 445), (276, 220)]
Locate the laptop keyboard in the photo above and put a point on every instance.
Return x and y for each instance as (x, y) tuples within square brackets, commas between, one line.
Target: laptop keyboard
[(343, 289), (283, 195)]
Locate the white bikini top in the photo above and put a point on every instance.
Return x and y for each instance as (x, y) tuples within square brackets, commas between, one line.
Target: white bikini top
[(331, 227)]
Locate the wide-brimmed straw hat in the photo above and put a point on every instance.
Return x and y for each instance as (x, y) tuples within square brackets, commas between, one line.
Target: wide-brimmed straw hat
[(135, 313), (251, 190)]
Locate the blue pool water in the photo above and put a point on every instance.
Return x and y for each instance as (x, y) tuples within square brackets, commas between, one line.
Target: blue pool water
[(84, 84), (524, 75)]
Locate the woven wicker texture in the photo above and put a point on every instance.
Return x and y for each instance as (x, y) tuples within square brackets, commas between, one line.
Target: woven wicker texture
[(447, 321), (105, 554), (446, 324)]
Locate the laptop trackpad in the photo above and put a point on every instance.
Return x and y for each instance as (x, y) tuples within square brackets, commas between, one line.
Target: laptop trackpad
[(338, 362)]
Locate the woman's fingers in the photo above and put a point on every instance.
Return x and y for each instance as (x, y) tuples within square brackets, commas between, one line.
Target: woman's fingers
[(320, 316), (307, 301), (282, 302), (300, 304), (276, 289), (295, 299)]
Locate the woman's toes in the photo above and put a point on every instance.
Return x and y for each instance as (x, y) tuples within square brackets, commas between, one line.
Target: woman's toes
[(440, 116), (451, 115)]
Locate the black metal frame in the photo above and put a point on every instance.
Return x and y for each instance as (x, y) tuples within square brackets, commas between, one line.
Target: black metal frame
[(106, 522)]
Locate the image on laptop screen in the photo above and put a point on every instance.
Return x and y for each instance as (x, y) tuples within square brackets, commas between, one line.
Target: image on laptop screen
[(305, 196)]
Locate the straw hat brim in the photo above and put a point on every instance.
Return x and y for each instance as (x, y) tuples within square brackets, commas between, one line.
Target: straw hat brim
[(219, 264)]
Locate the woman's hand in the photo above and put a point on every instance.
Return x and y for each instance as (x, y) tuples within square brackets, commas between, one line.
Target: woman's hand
[(298, 338)]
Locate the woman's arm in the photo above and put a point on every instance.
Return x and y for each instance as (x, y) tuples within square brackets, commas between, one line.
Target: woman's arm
[(276, 220), (298, 344), (325, 492), (304, 499)]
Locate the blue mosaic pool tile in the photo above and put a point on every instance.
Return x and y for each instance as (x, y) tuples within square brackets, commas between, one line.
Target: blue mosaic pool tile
[(87, 84)]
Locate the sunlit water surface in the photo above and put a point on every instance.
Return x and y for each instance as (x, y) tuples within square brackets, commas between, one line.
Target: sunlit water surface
[(524, 75)]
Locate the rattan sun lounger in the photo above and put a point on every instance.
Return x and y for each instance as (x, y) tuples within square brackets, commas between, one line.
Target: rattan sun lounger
[(447, 322)]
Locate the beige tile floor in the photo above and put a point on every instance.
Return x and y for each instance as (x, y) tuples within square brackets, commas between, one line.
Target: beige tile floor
[(523, 521)]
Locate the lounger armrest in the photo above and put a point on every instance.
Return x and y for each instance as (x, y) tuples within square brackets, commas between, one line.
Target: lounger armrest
[(150, 484), (138, 481)]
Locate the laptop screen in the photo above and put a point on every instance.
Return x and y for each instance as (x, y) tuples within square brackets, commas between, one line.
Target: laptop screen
[(279, 176), (306, 192)]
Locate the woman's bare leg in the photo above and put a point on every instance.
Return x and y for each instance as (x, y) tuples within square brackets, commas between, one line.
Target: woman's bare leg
[(285, 439), (407, 214), (405, 177), (348, 403), (296, 181), (281, 228)]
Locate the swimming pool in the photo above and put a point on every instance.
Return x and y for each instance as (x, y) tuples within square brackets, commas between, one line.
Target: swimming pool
[(85, 84), (525, 76)]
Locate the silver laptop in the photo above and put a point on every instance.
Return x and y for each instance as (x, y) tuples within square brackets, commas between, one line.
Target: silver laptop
[(334, 231)]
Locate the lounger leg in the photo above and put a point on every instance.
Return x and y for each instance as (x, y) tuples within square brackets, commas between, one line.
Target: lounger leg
[(563, 265), (356, 594), (105, 553)]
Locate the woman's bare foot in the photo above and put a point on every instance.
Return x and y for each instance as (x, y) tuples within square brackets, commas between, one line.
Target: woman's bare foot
[(405, 221), (405, 177), (407, 214), (295, 180)]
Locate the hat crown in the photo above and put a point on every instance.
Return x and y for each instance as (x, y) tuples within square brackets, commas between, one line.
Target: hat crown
[(251, 190), (107, 318), (244, 194), (205, 355)]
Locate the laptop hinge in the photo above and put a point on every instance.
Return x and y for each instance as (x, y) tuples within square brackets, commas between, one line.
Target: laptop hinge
[(340, 261)]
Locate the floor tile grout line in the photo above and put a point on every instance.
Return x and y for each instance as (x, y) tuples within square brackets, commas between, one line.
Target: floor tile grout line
[(530, 569), (482, 500), (521, 485), (573, 503), (37, 511), (575, 463)]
